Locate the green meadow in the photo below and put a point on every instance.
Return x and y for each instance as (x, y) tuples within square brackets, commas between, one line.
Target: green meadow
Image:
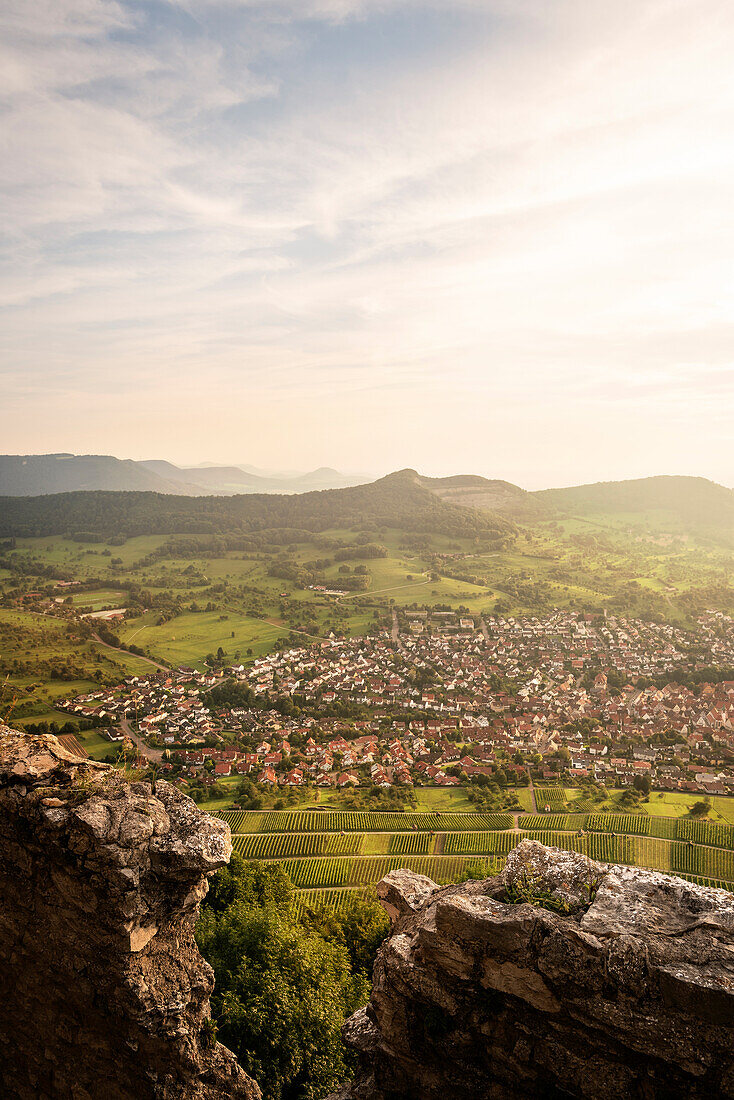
[(638, 564)]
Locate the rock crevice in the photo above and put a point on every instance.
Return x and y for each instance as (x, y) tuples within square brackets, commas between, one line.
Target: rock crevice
[(103, 992), (622, 988)]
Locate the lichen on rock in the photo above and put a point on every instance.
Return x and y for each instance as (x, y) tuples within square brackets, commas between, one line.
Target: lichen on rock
[(627, 992), (103, 992)]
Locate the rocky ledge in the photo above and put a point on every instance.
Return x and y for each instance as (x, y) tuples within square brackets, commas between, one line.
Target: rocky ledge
[(103, 992), (619, 985)]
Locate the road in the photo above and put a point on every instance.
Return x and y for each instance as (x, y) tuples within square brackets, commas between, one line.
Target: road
[(483, 628), (395, 634), (154, 755)]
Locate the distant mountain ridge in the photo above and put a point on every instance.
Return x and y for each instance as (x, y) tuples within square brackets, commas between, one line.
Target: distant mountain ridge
[(399, 500), (36, 475), (404, 499)]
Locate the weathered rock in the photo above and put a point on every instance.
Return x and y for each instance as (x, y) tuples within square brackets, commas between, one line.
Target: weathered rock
[(103, 992), (628, 995)]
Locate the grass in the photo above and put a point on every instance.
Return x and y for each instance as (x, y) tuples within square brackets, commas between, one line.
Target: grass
[(45, 663), (188, 638), (430, 799), (678, 804), (215, 805), (98, 747), (99, 599)]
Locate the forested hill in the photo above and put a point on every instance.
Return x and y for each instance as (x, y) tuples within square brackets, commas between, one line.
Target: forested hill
[(398, 500), (694, 503)]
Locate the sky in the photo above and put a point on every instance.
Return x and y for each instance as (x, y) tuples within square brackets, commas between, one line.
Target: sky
[(465, 236)]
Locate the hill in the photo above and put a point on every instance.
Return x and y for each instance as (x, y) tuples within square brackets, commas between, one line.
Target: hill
[(691, 504), (472, 491), (40, 475), (230, 480), (30, 475), (399, 500)]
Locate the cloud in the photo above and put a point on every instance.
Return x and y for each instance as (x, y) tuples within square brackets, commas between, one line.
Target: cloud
[(408, 208)]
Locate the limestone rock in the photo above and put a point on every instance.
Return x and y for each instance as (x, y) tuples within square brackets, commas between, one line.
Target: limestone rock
[(627, 993), (103, 992)]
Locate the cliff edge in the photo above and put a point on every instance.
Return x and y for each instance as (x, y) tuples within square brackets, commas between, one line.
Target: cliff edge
[(103, 992), (623, 988)]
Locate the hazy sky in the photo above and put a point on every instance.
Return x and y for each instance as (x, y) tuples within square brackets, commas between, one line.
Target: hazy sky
[(491, 236)]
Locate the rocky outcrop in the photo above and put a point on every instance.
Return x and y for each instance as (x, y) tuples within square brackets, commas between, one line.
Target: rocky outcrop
[(628, 991), (103, 992)]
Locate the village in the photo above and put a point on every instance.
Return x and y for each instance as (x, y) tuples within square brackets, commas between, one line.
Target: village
[(565, 698)]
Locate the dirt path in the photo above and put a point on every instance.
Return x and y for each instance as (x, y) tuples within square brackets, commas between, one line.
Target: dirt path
[(380, 591), (533, 805), (290, 629), (116, 649)]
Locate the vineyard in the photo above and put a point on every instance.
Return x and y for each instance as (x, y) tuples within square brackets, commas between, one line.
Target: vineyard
[(411, 844), (335, 899), (333, 856), (636, 824), (479, 843), (706, 832), (347, 821), (562, 822), (707, 862), (282, 845), (553, 797), (367, 870)]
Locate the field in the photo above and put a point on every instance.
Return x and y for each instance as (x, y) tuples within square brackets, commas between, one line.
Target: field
[(41, 661), (98, 599), (331, 855)]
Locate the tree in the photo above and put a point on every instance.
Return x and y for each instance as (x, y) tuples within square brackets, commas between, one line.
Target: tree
[(282, 990), (642, 783), (700, 809), (361, 926)]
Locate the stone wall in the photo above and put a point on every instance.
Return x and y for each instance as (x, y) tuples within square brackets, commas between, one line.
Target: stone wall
[(103, 993), (630, 994)]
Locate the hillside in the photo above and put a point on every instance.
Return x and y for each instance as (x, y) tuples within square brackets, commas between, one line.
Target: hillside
[(399, 500), (472, 491), (692, 504)]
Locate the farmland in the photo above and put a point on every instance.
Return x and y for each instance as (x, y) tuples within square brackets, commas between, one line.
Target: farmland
[(298, 821), (329, 854)]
